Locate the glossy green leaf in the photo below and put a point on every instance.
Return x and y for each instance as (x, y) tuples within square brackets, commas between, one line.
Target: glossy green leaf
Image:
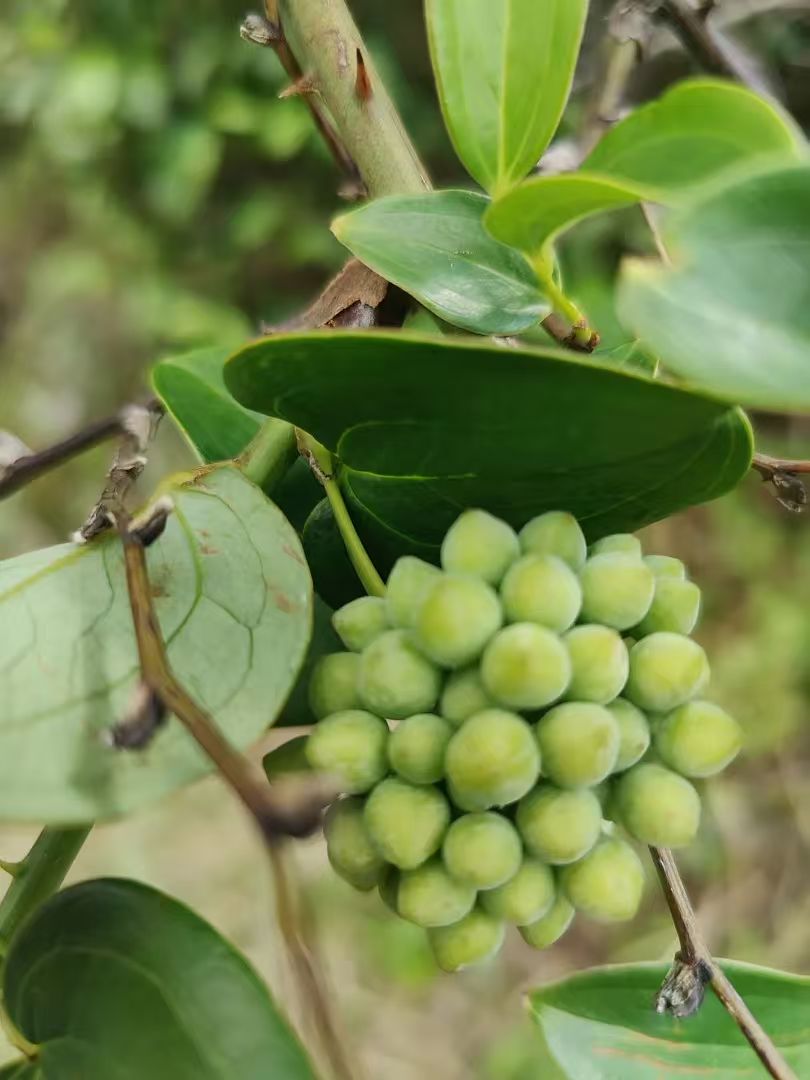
[(600, 1024), (233, 595), (194, 393), (21, 1070), (435, 247), (503, 71), (113, 980), (732, 313), (425, 426)]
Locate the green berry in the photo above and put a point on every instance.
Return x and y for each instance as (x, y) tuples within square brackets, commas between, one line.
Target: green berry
[(555, 533), (526, 897), (457, 618), (359, 622), (352, 746), (666, 670), (675, 607), (480, 544), (634, 733), (388, 887), (476, 938), (406, 823), (698, 739), (541, 589), (550, 928), (607, 884), (463, 696), (664, 566), (559, 826), (579, 744), (483, 850), (491, 760), (525, 666), (658, 806), (349, 847), (617, 590), (618, 543), (417, 746), (429, 896), (408, 583), (599, 664), (333, 684), (394, 679)]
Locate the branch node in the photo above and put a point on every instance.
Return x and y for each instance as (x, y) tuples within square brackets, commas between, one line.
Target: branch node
[(145, 715), (684, 988), (260, 30), (150, 525)]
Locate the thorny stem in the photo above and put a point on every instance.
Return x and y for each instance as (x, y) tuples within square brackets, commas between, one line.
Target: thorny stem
[(695, 966)]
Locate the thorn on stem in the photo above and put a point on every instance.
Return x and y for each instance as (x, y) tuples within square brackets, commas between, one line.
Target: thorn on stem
[(362, 82), (305, 85)]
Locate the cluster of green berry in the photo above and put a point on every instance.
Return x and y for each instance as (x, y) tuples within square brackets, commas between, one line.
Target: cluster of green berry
[(547, 704)]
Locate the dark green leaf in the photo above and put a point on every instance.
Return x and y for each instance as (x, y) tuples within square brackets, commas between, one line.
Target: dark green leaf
[(21, 1070), (732, 314), (335, 578), (233, 595), (435, 247), (425, 427), (503, 72), (116, 981), (600, 1024)]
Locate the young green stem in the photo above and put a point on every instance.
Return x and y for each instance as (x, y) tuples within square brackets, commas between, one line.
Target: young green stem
[(269, 454), (582, 336)]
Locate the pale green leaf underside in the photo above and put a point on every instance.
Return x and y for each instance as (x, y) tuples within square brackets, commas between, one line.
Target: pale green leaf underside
[(732, 314), (233, 596), (503, 71), (600, 1025)]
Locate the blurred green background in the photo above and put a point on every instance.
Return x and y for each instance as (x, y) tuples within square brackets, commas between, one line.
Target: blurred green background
[(155, 195)]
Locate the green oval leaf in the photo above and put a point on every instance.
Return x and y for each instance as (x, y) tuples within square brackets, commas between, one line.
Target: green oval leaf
[(435, 247), (113, 980), (731, 314), (601, 1024), (424, 427), (233, 595), (503, 72)]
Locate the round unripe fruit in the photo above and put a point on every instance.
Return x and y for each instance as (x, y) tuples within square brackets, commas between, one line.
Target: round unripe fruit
[(664, 566), (675, 607), (416, 748), (550, 928), (480, 544), (618, 543), (388, 887), (526, 897), (607, 884), (408, 584), (406, 823), (429, 896), (541, 589), (482, 850), (476, 938), (559, 826), (525, 667), (579, 744), (457, 618), (634, 733), (698, 739), (617, 590), (599, 664), (666, 670), (394, 679), (352, 746), (555, 533), (349, 847), (491, 760), (463, 696), (333, 684), (658, 806), (359, 622)]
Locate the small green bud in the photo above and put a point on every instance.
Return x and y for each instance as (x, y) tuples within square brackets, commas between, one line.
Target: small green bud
[(417, 746), (526, 897), (457, 618), (579, 744), (406, 823), (666, 670), (634, 733), (349, 847), (664, 566), (617, 544), (463, 696), (480, 544), (476, 938), (617, 590), (541, 589), (482, 850), (394, 679), (607, 884), (429, 896), (525, 667), (352, 746), (599, 664), (491, 760), (359, 622), (559, 826), (333, 684), (658, 806), (555, 533), (408, 584), (542, 933), (675, 607), (698, 739)]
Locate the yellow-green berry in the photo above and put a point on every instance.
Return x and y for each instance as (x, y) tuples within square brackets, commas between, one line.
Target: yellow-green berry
[(658, 806), (491, 760), (472, 940), (634, 733), (617, 590), (482, 850), (617, 544), (526, 897), (464, 695), (480, 544), (359, 622), (352, 746), (429, 896), (664, 566), (333, 684), (579, 744), (406, 823), (408, 583), (416, 748), (457, 618), (349, 847), (543, 932), (599, 663), (666, 670), (541, 589), (559, 826), (394, 679), (698, 739), (608, 883), (675, 607), (525, 666), (555, 533)]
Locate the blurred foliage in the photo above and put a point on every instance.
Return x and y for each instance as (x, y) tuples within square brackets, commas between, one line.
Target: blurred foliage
[(156, 195)]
